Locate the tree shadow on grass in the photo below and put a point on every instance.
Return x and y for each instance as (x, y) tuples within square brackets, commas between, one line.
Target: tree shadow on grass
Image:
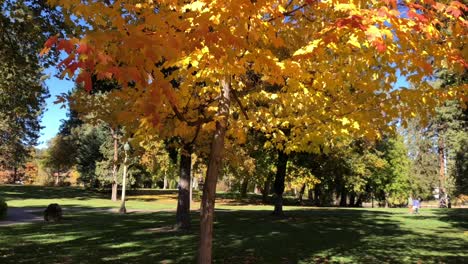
[(97, 238), (11, 192), (457, 217), (304, 236), (328, 236)]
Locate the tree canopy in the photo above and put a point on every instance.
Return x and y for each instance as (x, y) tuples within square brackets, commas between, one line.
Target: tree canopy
[(24, 27), (305, 73)]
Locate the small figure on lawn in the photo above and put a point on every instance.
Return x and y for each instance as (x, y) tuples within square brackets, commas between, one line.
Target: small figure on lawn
[(53, 213), (410, 204), (416, 205)]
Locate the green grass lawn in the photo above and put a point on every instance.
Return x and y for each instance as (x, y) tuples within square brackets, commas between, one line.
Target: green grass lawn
[(150, 200), (68, 197), (243, 234)]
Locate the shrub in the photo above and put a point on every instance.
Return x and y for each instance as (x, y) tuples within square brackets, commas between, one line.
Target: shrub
[(3, 208), (53, 213), (460, 200)]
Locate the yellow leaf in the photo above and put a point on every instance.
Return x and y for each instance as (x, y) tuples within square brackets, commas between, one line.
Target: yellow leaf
[(353, 40), (345, 121), (356, 125), (281, 9)]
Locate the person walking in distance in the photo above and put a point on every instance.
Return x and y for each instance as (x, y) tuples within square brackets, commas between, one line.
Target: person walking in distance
[(410, 204), (416, 205)]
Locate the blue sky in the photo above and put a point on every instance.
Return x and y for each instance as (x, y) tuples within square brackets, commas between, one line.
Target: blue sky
[(54, 113)]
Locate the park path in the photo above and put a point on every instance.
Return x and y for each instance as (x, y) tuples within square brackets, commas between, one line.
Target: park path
[(18, 215)]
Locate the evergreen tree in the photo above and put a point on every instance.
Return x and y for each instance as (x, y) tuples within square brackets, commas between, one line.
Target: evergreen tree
[(90, 139), (24, 27)]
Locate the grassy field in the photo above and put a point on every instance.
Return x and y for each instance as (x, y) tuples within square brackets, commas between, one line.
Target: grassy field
[(149, 200), (243, 233)]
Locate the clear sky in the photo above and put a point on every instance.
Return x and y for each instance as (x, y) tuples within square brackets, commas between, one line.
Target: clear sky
[(54, 113)]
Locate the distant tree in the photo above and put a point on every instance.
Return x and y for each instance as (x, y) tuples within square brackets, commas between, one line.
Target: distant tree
[(424, 161), (157, 161), (392, 183), (59, 157), (24, 27), (90, 139), (452, 140)]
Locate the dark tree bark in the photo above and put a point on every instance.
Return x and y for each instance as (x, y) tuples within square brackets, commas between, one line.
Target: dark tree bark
[(244, 185), (279, 182), (310, 195), (266, 188), (352, 199), (15, 174), (183, 200), (301, 192), (114, 166), (441, 150), (359, 201), (214, 167), (317, 195), (343, 196)]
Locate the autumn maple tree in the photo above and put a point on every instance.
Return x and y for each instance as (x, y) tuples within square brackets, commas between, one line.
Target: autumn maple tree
[(303, 72)]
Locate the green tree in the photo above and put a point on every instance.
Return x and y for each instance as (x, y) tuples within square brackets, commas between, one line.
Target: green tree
[(90, 139), (452, 126), (424, 161), (24, 27), (59, 157), (392, 183)]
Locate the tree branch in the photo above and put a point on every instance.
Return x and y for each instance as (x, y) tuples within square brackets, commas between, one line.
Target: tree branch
[(288, 13), (236, 98), (181, 117)]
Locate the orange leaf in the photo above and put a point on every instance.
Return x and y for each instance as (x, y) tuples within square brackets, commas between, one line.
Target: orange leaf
[(380, 45), (51, 41), (65, 45), (83, 49), (454, 11), (354, 21), (85, 78)]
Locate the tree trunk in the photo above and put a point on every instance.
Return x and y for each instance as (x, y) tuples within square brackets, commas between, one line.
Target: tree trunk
[(114, 167), (266, 188), (279, 182), (343, 196), (256, 189), (386, 200), (165, 181), (441, 150), (123, 209), (56, 178), (317, 195), (352, 199), (310, 194), (301, 192), (214, 167), (191, 187), (183, 199), (15, 174), (359, 201), (244, 185)]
